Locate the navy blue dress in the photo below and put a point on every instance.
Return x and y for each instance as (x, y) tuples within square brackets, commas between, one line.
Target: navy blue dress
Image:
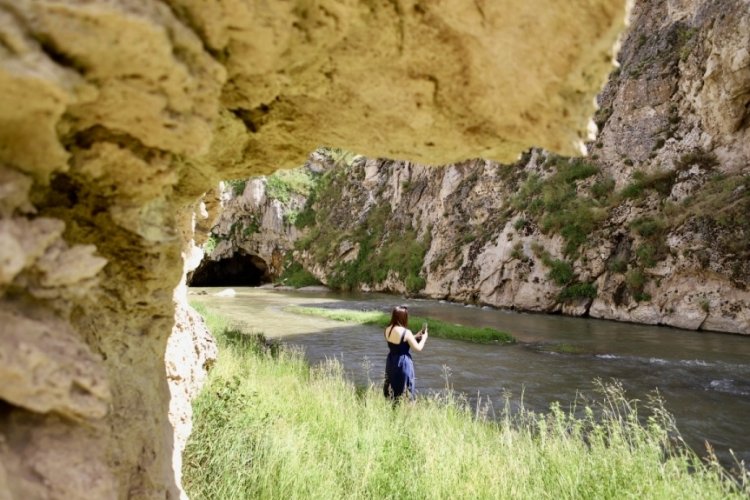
[(399, 370)]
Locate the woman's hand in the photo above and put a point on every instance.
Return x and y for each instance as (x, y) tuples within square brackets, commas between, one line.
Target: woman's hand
[(416, 341)]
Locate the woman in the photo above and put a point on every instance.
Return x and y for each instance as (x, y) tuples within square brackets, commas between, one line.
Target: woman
[(399, 368)]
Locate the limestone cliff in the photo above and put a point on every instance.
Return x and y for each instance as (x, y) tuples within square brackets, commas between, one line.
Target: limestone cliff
[(653, 227), (116, 115), (251, 226)]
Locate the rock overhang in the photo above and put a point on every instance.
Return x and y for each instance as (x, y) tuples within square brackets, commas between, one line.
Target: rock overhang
[(139, 106)]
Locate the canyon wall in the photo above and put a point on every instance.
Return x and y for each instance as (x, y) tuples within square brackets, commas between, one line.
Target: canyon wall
[(116, 115), (256, 219), (653, 227)]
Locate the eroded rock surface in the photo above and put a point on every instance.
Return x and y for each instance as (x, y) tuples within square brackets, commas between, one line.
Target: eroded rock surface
[(252, 226), (191, 351), (471, 233), (115, 116)]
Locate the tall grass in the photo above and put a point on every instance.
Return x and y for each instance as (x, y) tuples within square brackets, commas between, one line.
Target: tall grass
[(269, 426), (436, 327)]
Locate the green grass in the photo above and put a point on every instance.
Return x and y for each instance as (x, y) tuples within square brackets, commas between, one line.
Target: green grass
[(636, 280), (436, 327), (267, 425), (660, 181), (698, 157), (646, 255), (251, 226), (618, 265), (520, 224), (603, 188), (560, 271), (647, 226), (340, 157), (517, 252)]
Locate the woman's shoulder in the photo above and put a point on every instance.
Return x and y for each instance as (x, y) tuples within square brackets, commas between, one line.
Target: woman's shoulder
[(397, 329)]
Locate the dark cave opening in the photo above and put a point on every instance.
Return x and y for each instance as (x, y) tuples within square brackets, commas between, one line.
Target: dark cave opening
[(237, 270)]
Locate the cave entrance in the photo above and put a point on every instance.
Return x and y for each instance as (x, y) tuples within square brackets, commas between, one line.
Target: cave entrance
[(237, 270)]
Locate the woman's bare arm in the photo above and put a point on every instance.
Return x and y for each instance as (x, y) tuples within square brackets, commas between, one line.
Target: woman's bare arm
[(415, 344)]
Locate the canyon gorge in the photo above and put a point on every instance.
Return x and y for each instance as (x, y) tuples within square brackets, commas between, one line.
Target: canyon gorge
[(117, 116), (652, 227)]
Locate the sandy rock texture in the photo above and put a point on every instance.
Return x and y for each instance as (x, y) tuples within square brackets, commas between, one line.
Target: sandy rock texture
[(434, 81), (116, 115)]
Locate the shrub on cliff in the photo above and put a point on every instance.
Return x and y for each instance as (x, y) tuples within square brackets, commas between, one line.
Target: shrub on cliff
[(237, 186), (660, 182), (284, 183), (554, 202), (297, 276), (577, 291)]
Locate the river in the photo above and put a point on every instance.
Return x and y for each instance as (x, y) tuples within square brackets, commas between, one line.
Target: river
[(703, 377)]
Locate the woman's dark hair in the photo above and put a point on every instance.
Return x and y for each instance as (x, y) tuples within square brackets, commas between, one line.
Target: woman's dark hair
[(400, 317)]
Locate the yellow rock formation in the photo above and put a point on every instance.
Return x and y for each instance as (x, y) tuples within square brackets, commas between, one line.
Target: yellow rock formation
[(115, 115)]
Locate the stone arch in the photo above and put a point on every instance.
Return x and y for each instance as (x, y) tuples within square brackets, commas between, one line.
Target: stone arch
[(240, 269)]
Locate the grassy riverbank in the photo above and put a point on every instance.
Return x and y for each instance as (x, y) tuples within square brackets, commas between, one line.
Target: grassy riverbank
[(269, 426), (436, 327)]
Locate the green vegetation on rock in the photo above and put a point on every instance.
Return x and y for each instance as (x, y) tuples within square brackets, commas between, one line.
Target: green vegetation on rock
[(560, 204), (383, 242), (295, 275), (660, 182), (210, 244), (560, 271), (437, 328), (267, 425), (577, 291), (237, 186), (555, 204), (341, 158), (635, 280), (284, 183), (353, 234), (251, 228)]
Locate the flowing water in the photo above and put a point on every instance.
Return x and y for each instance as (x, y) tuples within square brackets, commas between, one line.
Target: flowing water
[(703, 377)]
